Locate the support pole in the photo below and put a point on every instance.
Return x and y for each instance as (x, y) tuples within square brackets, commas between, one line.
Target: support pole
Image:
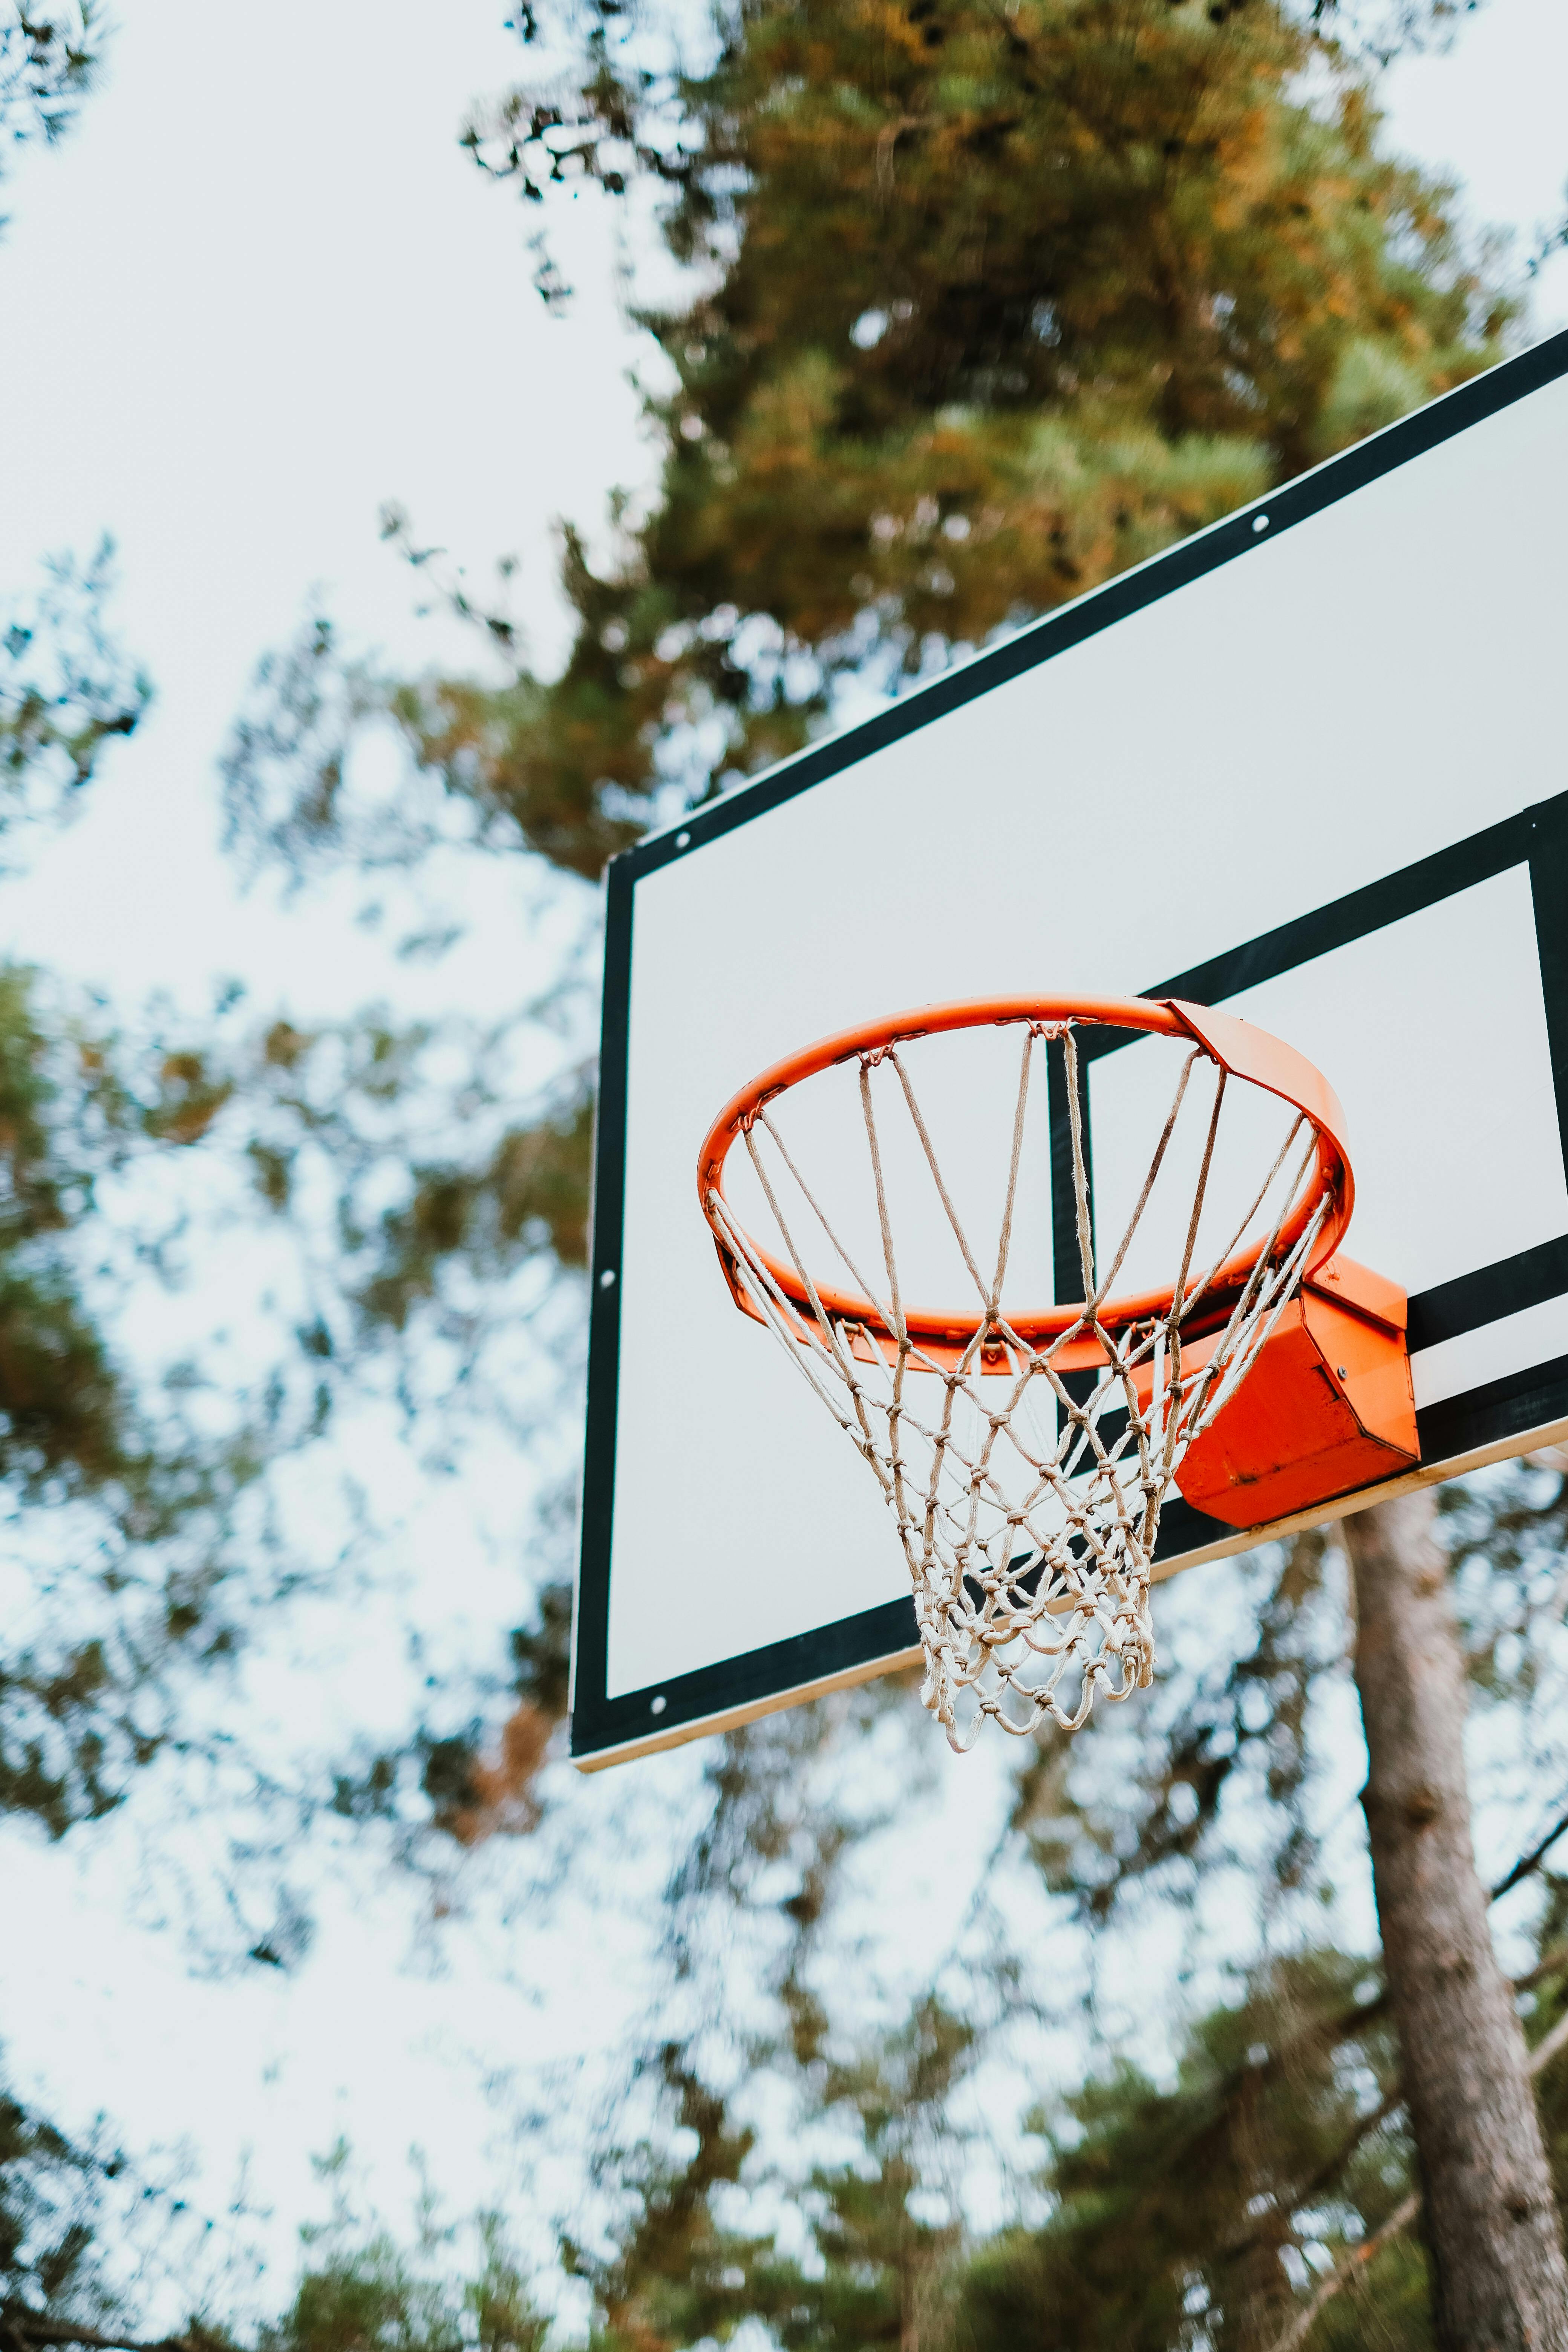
[(1499, 2280)]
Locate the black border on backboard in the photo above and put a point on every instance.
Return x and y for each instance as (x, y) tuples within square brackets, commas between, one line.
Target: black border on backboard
[(1458, 1432)]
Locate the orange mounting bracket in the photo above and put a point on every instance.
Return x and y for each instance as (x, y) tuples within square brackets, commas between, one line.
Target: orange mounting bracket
[(1326, 1407)]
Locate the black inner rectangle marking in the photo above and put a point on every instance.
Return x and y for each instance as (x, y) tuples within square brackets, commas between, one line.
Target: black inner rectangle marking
[(1508, 1287), (1430, 880), (1548, 896), (1537, 838)]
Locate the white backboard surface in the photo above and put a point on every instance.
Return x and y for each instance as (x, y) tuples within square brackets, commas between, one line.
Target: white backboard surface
[(1311, 765)]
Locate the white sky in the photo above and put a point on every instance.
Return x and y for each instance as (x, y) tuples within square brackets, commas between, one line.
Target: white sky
[(259, 292)]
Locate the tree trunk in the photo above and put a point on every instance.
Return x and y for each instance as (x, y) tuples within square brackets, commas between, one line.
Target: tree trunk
[(1499, 2280)]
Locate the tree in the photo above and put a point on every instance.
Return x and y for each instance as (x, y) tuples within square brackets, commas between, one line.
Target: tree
[(1172, 2207), (1487, 2208), (361, 2286)]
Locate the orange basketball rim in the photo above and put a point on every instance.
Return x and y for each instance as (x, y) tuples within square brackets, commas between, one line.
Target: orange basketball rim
[(1238, 1048)]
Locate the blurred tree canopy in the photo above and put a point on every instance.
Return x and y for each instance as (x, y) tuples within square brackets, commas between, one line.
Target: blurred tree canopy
[(65, 690), (973, 307), (961, 309), (48, 64)]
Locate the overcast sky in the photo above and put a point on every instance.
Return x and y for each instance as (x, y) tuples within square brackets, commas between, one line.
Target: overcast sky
[(259, 293)]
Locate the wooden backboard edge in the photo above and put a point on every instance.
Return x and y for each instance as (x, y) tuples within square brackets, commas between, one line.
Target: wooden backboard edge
[(1530, 1440), (1322, 1515), (730, 1718)]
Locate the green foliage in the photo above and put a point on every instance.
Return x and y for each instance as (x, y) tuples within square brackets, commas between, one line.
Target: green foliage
[(885, 2250), (1204, 2207), (65, 690), (541, 1653), (78, 1106), (1201, 2208), (1507, 1537), (1548, 2004), (1140, 1800), (361, 2290), (361, 2287), (670, 2276), (285, 768), (534, 1185), (48, 64), (447, 1171), (877, 2269), (1174, 2205), (477, 1784), (48, 2259), (398, 1248)]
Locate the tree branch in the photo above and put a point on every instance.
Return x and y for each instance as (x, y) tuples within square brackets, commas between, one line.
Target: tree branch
[(1546, 2049), (1300, 2327), (1546, 1966), (1531, 1861), (22, 2330), (1313, 2186)]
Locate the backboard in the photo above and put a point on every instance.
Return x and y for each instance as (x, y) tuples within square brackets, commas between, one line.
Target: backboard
[(1309, 766)]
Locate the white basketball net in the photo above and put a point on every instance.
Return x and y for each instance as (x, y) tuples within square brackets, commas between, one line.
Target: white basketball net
[(1028, 1515)]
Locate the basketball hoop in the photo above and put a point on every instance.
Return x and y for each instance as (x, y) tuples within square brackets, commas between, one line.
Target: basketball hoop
[(1026, 1450)]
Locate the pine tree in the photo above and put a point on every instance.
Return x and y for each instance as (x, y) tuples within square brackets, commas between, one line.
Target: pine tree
[(984, 306)]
